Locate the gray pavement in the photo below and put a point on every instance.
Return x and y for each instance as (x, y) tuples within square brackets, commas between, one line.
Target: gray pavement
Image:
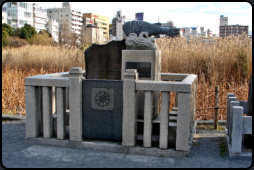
[(205, 153)]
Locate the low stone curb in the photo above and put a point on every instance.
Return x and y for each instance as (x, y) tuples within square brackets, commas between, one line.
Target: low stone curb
[(12, 117)]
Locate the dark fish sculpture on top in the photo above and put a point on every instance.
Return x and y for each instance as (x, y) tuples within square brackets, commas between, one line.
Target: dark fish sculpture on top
[(152, 29)]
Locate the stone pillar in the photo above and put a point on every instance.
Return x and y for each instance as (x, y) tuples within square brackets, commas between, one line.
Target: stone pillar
[(183, 121), (228, 106), (129, 130), (232, 104), (75, 104), (148, 119), (32, 111), (61, 112), (237, 124), (47, 112), (164, 120)]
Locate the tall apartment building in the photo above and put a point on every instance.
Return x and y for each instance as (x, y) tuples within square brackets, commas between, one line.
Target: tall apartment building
[(40, 18), (53, 29), (226, 29), (99, 21), (19, 13), (117, 25), (69, 19)]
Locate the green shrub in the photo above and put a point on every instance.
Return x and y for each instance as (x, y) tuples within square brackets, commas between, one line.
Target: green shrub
[(41, 39), (5, 35), (23, 33), (45, 32), (30, 30), (17, 32), (8, 29)]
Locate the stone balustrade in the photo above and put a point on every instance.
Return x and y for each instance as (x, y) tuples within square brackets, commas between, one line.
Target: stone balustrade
[(184, 85), (237, 123), (49, 94)]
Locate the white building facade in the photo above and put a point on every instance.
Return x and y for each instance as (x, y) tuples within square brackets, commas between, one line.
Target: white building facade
[(53, 29), (40, 18), (19, 13), (117, 26), (4, 17)]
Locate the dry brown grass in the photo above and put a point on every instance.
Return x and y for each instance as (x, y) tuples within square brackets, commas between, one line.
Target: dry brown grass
[(226, 63)]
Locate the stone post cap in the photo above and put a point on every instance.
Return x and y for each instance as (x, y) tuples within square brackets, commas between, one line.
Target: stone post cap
[(131, 71), (131, 74), (76, 70)]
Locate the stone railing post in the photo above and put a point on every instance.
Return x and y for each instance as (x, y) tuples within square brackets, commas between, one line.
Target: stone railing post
[(236, 133), (164, 120), (148, 119), (33, 106), (183, 121), (232, 104), (75, 104), (129, 130), (228, 107), (61, 112)]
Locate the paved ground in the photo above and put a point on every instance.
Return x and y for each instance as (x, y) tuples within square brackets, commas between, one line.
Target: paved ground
[(205, 153)]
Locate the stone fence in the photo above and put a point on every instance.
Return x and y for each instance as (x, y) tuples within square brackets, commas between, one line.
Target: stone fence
[(237, 123), (55, 93)]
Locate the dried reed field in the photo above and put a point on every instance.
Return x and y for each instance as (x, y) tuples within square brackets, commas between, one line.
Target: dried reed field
[(226, 63)]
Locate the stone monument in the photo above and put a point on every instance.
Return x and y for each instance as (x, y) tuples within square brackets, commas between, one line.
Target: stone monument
[(104, 61)]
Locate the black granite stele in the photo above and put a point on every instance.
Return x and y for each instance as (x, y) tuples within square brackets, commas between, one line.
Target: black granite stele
[(104, 61), (102, 109)]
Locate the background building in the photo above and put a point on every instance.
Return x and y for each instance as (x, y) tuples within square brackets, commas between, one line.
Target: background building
[(226, 29), (98, 21), (4, 17), (117, 26), (94, 35), (40, 18), (19, 13), (69, 20), (223, 20), (53, 29), (139, 16)]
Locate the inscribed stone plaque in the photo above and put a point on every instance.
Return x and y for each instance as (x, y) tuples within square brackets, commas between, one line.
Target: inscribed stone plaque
[(102, 109), (104, 61), (143, 68), (102, 99)]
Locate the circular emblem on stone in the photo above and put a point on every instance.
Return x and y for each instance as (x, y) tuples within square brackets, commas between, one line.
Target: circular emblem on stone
[(102, 98)]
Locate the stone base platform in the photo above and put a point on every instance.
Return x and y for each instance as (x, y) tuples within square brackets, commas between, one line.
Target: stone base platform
[(245, 154), (112, 146)]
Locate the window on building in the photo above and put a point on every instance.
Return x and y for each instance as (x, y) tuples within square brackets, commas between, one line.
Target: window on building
[(61, 15), (67, 15), (61, 10), (50, 11), (56, 11)]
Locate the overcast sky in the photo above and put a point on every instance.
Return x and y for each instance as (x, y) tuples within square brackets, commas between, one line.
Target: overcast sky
[(183, 14)]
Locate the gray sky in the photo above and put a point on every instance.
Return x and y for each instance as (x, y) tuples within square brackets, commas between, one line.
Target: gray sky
[(183, 14)]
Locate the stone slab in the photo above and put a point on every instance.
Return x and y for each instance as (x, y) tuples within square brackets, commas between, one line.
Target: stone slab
[(105, 120), (108, 147), (104, 61)]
